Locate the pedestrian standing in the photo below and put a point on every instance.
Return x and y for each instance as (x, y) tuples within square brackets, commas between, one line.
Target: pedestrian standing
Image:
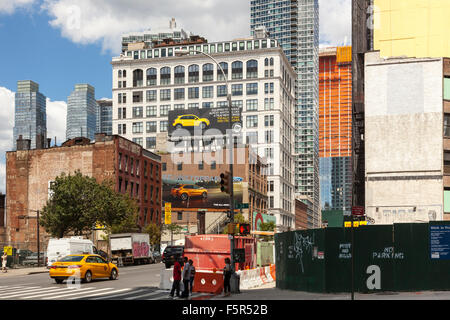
[(176, 279), (186, 277), (191, 264), (4, 260), (227, 278)]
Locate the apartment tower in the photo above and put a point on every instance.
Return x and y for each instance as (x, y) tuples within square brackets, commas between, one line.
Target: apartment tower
[(295, 25), (30, 119)]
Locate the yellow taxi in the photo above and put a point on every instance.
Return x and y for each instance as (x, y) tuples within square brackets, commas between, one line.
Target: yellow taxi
[(83, 266), (190, 120)]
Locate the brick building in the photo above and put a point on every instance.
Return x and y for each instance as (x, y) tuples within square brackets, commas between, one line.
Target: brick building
[(29, 174), (301, 215), (248, 168)]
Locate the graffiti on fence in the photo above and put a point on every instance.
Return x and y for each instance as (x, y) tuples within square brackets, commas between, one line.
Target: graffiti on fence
[(302, 245), (388, 253)]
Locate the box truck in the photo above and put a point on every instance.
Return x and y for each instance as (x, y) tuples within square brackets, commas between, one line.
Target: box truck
[(130, 249)]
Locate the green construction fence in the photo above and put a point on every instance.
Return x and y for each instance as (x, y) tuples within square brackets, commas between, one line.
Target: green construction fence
[(399, 257)]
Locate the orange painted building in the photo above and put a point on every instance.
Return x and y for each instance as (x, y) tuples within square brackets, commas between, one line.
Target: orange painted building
[(335, 128), (335, 102)]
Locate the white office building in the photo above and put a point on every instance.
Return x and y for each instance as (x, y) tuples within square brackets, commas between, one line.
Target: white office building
[(149, 83)]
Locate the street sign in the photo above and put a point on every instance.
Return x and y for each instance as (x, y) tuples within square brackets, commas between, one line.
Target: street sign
[(241, 205), (8, 250), (168, 213), (348, 224), (358, 211)]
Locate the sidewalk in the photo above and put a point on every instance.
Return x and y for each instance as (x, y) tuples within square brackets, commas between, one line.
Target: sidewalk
[(270, 292), (23, 271)]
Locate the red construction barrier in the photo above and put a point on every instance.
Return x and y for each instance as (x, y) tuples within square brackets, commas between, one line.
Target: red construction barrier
[(208, 282), (262, 275), (272, 271)]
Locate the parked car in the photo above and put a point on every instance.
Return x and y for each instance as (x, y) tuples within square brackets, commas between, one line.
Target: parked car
[(85, 266), (32, 259), (190, 120), (185, 191), (171, 253), (156, 256)]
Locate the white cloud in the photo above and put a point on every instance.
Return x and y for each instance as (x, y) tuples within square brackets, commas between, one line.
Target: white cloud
[(56, 125), (335, 22), (9, 6), (104, 21)]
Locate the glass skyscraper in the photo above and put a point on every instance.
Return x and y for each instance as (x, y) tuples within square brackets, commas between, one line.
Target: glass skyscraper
[(81, 113), (295, 24), (30, 120), (104, 116)]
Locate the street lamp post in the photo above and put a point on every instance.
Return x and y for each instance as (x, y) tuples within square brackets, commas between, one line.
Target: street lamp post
[(230, 139)]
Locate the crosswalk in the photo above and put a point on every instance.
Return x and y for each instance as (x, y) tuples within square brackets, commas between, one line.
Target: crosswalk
[(20, 292)]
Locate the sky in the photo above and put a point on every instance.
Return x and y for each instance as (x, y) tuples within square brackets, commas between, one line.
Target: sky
[(59, 43)]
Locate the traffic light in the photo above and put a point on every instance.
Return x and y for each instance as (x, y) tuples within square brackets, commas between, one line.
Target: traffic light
[(244, 229), (225, 182)]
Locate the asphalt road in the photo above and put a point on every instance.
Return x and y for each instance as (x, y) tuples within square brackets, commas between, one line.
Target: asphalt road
[(134, 283)]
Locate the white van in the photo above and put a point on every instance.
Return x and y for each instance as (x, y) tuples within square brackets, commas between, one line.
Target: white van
[(59, 248)]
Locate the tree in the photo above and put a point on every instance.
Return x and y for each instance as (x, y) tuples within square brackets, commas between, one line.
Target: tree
[(174, 229), (78, 202), (268, 226), (155, 233)]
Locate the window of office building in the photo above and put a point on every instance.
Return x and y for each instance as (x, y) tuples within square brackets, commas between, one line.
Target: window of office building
[(165, 95), (252, 88), (252, 105), (193, 73), (208, 92), (178, 106), (164, 110), (151, 76), (252, 69), (137, 127), (237, 70), (208, 72), (193, 93), (221, 91), (150, 143), (138, 77), (178, 94), (269, 120), (207, 104), (163, 125), (138, 112), (151, 126), (137, 96), (179, 75), (151, 95), (236, 90), (165, 76), (150, 111), (220, 76), (252, 121)]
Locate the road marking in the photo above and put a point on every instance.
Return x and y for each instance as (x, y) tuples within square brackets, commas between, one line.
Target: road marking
[(101, 294), (78, 293), (117, 295), (154, 293), (28, 292), (6, 289), (20, 291), (59, 293), (44, 291)]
